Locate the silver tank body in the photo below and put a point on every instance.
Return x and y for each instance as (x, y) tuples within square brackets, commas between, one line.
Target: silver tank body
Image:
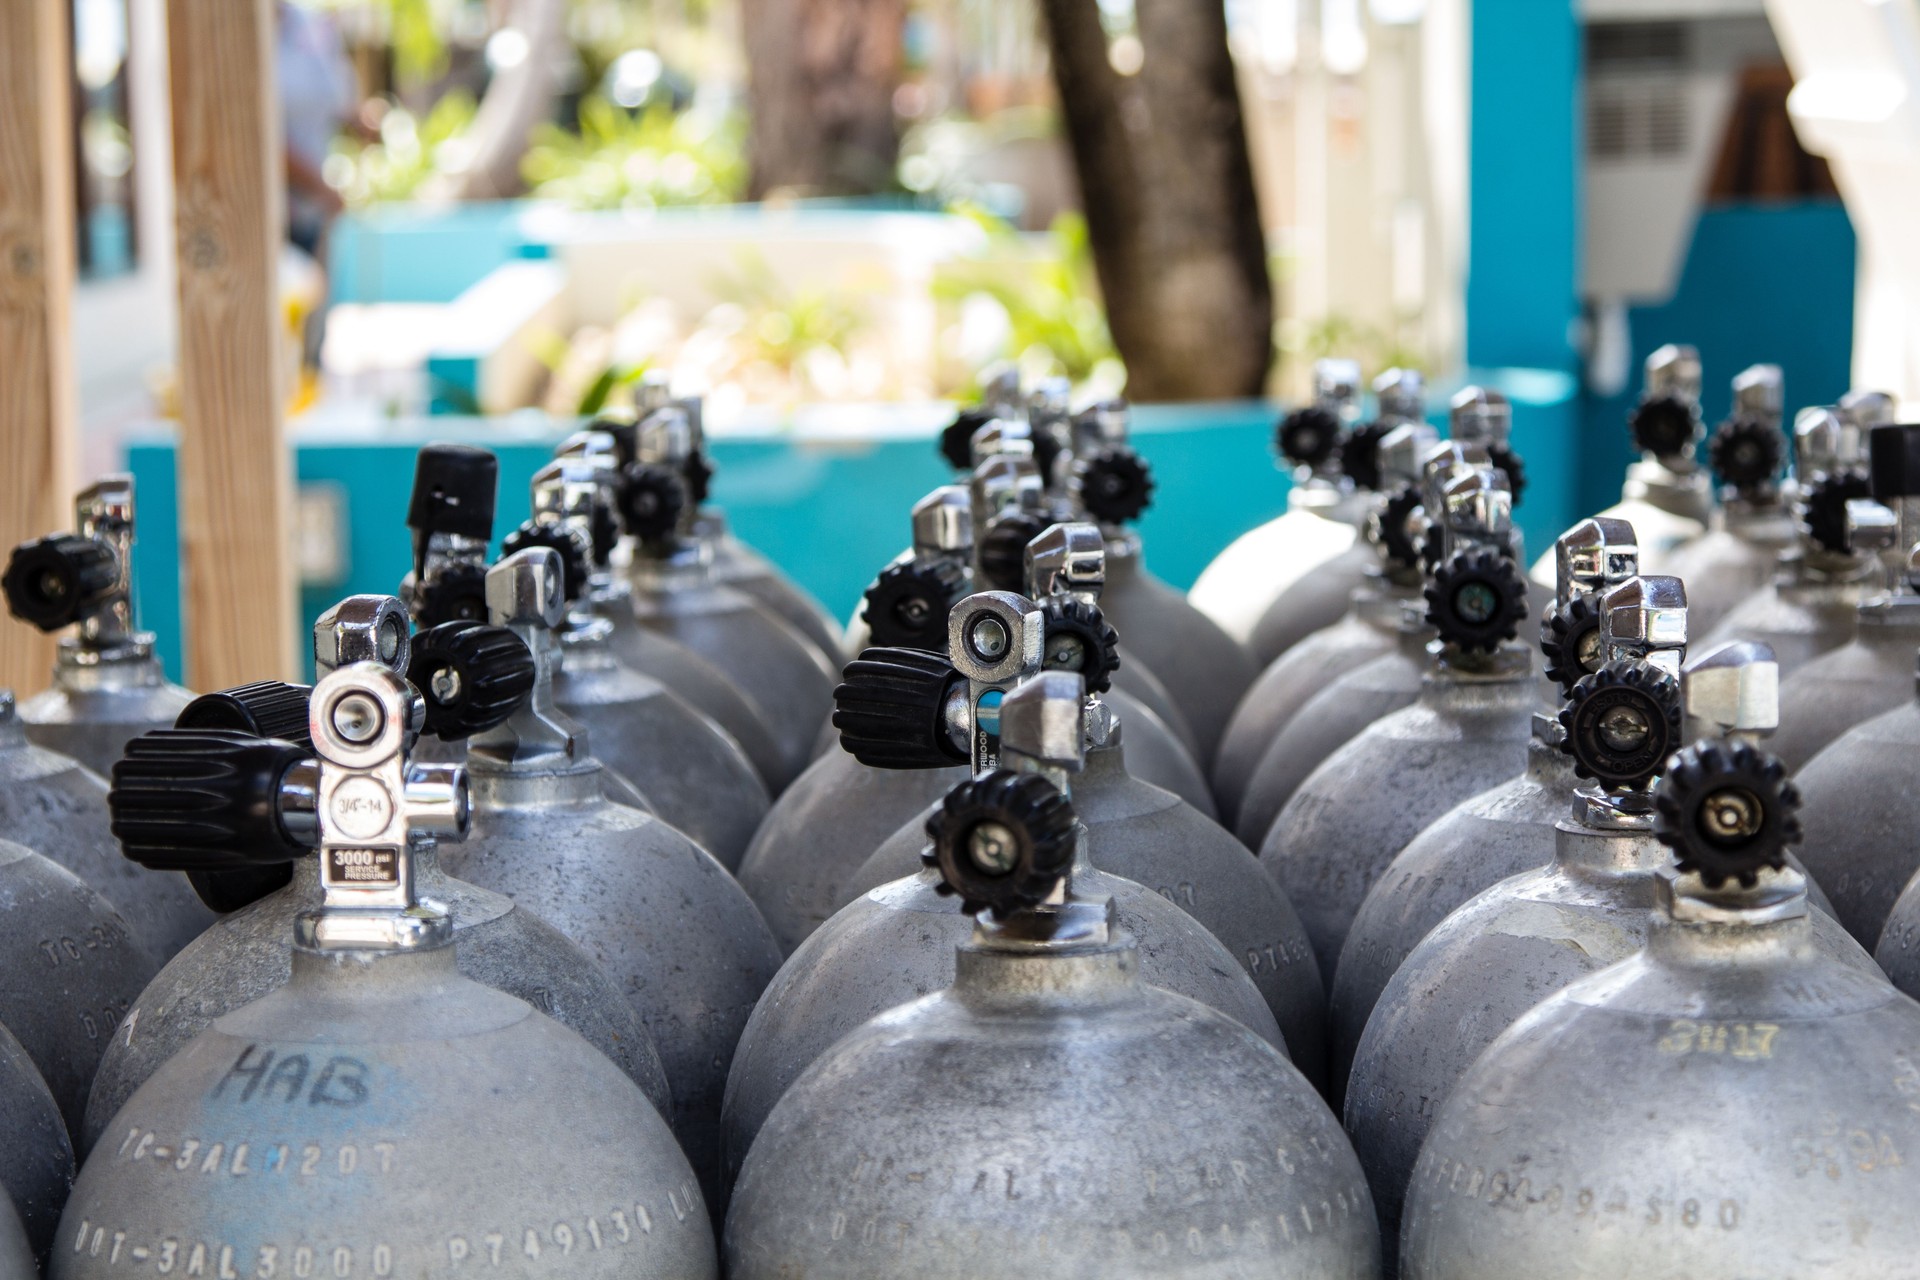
[(91, 712), (1316, 600), (1483, 967), (36, 1156), (1661, 529), (1328, 720), (57, 807), (250, 953), (692, 772), (674, 931), (737, 565), (1725, 566), (1118, 1130), (1147, 835), (1252, 571), (1200, 665), (1836, 691), (1729, 1102), (1355, 813), (822, 829), (1156, 754), (783, 677), (1364, 633), (1898, 951), (1860, 814), (387, 1117), (896, 943), (16, 1254), (1800, 619), (70, 967)]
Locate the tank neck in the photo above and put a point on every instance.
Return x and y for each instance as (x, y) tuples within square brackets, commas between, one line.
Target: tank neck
[(1102, 974), (1105, 763), (13, 734), (508, 786), (1547, 764), (1603, 841), (1731, 927), (1124, 555), (689, 564), (1889, 618), (1380, 600), (123, 667), (588, 647), (362, 975), (1687, 495), (1450, 667)]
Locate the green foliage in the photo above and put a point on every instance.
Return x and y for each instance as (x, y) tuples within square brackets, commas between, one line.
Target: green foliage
[(636, 160), (781, 327), (408, 154), (1341, 335)]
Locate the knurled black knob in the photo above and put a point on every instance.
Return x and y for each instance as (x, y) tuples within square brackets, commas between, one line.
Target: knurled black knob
[(50, 581), (956, 438), (471, 677), (1726, 809), (1508, 464), (1001, 841), (1893, 462), (1307, 437), (1476, 599), (1003, 551), (907, 605), (1080, 639), (202, 800), (1746, 453), (1662, 426), (1622, 724), (1823, 509), (1570, 639), (650, 501), (1116, 485), (890, 709), (562, 541), (265, 709), (624, 429), (1360, 454), (1394, 527), (457, 593), (453, 491), (699, 476)]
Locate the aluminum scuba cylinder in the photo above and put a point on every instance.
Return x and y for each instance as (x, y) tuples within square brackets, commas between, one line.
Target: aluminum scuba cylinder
[(169, 781), (1810, 606), (36, 1157), (380, 1114), (1465, 732), (658, 914), (894, 943), (107, 685), (16, 1252), (1502, 831), (674, 593), (1754, 523), (1533, 934), (1873, 672), (1048, 1027), (693, 773), (1719, 1103)]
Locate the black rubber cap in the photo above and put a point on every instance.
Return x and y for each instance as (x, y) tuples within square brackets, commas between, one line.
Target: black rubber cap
[(907, 605), (1393, 528), (1622, 723), (625, 431), (890, 710), (1360, 454), (1001, 841), (1476, 599), (1663, 426), (50, 581), (699, 476), (453, 491), (1823, 509), (202, 800), (471, 677), (1307, 437), (562, 541), (650, 501), (1508, 463), (265, 709), (1116, 485), (457, 594), (1893, 462), (1003, 551), (1746, 453), (1727, 810), (956, 438), (228, 891), (1570, 639), (1080, 639)]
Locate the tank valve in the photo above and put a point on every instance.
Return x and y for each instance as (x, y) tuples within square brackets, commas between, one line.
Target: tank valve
[(451, 515)]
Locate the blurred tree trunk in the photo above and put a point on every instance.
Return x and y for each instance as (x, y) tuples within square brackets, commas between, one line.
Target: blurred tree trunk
[(821, 75), (1167, 184)]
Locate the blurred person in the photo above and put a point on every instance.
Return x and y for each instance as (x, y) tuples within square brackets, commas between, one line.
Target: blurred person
[(318, 96)]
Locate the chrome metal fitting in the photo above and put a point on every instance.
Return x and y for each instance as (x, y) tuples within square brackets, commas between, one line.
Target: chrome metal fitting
[(1041, 724), (1067, 560), (1597, 554), (1673, 370), (1479, 416), (1645, 618), (1733, 689), (943, 523), (1401, 395), (365, 628), (1336, 387), (1759, 394)]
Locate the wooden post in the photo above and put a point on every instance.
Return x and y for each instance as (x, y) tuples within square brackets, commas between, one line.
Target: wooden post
[(37, 406), (235, 473)]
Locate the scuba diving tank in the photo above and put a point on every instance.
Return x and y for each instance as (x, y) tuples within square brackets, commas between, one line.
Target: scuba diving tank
[(36, 1157), (1730, 1100), (1500, 832), (1466, 731), (1810, 606), (16, 1251), (895, 943), (1368, 630), (1754, 524), (1535, 933), (657, 913), (1151, 836), (1325, 509), (171, 803), (1873, 672), (693, 774), (735, 564), (980, 1125), (906, 605), (107, 685), (379, 1114), (674, 593)]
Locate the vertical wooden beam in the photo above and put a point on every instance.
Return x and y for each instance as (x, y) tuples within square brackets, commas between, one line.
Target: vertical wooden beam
[(235, 473), (37, 403)]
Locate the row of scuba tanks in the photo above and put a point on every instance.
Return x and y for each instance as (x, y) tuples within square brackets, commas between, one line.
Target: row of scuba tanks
[(594, 914)]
